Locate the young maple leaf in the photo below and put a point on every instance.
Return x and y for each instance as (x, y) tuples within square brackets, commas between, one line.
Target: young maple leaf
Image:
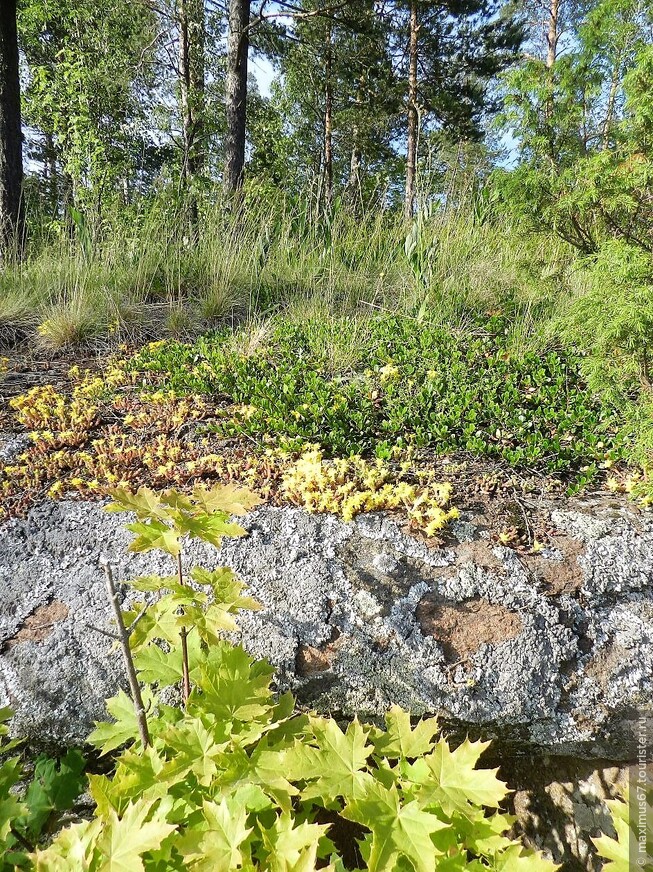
[(337, 767), (618, 851), (449, 780), (397, 830), (72, 848), (108, 736), (145, 503), (218, 844), (123, 841), (516, 859), (399, 740), (151, 535), (229, 498), (210, 528), (293, 848)]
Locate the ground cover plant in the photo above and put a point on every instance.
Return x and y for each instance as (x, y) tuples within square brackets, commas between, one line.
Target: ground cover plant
[(351, 431)]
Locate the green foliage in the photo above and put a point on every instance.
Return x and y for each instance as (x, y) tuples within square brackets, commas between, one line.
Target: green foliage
[(414, 383), (614, 318), (236, 780), (29, 813), (631, 819)]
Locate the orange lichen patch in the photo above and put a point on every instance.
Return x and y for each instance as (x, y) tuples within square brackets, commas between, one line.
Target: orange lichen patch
[(38, 626), (559, 576), (312, 661), (461, 628)]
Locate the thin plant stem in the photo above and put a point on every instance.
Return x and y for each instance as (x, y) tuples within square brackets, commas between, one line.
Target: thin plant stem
[(123, 637), (184, 643)]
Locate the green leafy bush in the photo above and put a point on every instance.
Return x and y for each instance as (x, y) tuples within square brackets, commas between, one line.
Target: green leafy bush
[(235, 779), (416, 384), (28, 815), (613, 319)]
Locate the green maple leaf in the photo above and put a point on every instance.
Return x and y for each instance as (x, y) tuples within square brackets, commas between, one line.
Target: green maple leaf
[(210, 623), (154, 665), (234, 686), (337, 766), (209, 528), (516, 859), (72, 850), (196, 749), (54, 787), (449, 780), (399, 740), (293, 848), (145, 503), (226, 587), (484, 835), (154, 535), (398, 830), (161, 621), (219, 846), (152, 583), (124, 840), (229, 498), (617, 851), (109, 736)]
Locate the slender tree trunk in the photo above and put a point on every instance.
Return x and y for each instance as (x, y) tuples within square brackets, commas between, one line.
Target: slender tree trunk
[(12, 220), (353, 189), (51, 172), (191, 78), (612, 99), (413, 114), (328, 118), (552, 34), (236, 96)]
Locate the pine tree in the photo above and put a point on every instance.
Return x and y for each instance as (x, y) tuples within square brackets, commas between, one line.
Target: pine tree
[(11, 141)]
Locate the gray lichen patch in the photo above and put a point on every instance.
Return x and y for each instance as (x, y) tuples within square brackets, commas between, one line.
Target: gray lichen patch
[(357, 616)]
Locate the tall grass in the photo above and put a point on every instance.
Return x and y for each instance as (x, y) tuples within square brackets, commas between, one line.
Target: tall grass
[(145, 276)]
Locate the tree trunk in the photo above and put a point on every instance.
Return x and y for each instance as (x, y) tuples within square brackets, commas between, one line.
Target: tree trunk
[(413, 115), (191, 79), (328, 118), (612, 99), (236, 96), (12, 221), (553, 34)]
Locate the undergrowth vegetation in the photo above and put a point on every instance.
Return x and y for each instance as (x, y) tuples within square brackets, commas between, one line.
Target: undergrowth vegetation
[(414, 384), (235, 778), (272, 406)]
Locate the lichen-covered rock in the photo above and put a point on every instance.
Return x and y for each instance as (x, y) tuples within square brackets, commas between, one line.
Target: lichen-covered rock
[(552, 651)]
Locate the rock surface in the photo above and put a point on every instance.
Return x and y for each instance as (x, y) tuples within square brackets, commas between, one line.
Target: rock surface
[(551, 652)]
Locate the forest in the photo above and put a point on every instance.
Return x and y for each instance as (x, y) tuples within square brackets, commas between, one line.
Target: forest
[(339, 259)]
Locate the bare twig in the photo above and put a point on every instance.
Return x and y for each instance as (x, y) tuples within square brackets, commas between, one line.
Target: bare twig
[(184, 643), (123, 638)]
